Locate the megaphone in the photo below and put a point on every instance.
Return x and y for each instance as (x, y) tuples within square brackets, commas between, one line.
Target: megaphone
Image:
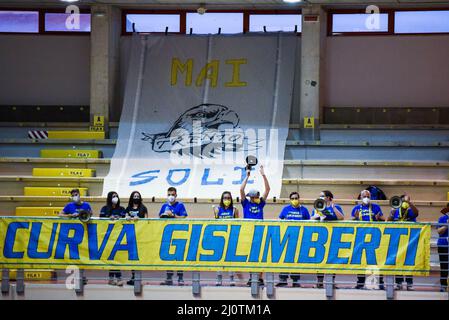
[(319, 204), (395, 202), (84, 216), (251, 161)]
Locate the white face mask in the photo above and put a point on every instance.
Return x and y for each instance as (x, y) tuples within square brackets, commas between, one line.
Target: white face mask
[(366, 200), (115, 200), (76, 198), (171, 199)]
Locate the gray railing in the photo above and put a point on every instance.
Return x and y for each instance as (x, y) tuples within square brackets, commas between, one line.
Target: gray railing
[(434, 282)]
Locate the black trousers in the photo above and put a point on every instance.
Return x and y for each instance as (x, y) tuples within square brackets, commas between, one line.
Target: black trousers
[(180, 275), (320, 278), (284, 276), (443, 253), (408, 279), (115, 273), (361, 279)]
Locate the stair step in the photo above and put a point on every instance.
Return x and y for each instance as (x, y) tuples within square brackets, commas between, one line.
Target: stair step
[(63, 172), (38, 211), (51, 191), (55, 153)]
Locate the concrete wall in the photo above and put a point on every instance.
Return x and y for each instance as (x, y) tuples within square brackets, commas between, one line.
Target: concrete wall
[(387, 71), (45, 70), (376, 71)]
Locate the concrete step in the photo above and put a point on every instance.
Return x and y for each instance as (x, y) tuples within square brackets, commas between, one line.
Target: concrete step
[(435, 190), (24, 166), (55, 153), (38, 211), (63, 172), (303, 169), (52, 191), (76, 134), (376, 170), (295, 149), (32, 148)]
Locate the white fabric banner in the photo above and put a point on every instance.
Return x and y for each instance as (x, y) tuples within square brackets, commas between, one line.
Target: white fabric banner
[(196, 106)]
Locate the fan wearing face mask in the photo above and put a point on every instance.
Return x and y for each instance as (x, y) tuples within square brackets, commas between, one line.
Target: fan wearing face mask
[(73, 208), (135, 210), (367, 211), (406, 213), (173, 209), (294, 211), (253, 208), (113, 210)]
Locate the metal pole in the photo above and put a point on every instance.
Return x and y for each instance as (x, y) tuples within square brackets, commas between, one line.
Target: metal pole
[(196, 285), (329, 285), (20, 284), (254, 284), (137, 282), (389, 287), (5, 281), (270, 284), (79, 282)]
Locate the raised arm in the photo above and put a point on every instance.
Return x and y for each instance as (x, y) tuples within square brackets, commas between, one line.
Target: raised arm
[(243, 186), (266, 183)]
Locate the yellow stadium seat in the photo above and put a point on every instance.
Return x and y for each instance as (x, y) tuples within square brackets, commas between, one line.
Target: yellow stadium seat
[(94, 135), (50, 153), (52, 191), (63, 172), (33, 274), (38, 211)]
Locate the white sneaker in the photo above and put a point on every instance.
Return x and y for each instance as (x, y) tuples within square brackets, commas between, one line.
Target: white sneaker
[(218, 283), (112, 282), (120, 282), (232, 283)]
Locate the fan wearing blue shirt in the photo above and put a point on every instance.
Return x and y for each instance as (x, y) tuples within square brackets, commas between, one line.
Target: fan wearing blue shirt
[(73, 208), (253, 208), (443, 247), (294, 211), (331, 212), (173, 209), (226, 210), (407, 212), (367, 211)]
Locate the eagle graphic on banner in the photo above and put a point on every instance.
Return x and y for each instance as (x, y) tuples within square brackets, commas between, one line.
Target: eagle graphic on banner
[(205, 130)]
